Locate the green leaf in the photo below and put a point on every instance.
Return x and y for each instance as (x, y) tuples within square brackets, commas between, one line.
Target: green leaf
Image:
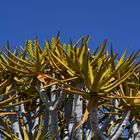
[(74, 91), (7, 101), (102, 48), (24, 62), (7, 129), (121, 60), (117, 82), (71, 72), (90, 74), (25, 134), (13, 69)]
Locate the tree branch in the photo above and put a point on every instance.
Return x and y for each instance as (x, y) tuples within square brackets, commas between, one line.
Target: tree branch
[(94, 121), (121, 126)]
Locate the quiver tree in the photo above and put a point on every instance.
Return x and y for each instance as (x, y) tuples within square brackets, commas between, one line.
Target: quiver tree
[(66, 92)]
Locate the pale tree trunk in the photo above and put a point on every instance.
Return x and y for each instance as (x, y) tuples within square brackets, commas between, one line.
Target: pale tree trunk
[(36, 120), (121, 126), (135, 131), (52, 106), (15, 123), (15, 118), (54, 123), (77, 115), (94, 121), (68, 108), (88, 134), (46, 120)]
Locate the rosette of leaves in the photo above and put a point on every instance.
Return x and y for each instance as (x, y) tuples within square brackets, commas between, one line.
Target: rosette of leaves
[(101, 73)]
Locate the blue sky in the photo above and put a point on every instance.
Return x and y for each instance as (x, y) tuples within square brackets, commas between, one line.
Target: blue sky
[(115, 20)]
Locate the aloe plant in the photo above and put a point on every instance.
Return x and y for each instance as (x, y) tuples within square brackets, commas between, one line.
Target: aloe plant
[(65, 92)]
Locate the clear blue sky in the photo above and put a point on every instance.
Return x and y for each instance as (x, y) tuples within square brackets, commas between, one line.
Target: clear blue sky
[(115, 20)]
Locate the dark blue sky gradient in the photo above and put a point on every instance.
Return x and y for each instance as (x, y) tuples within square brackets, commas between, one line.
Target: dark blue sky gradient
[(118, 21)]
